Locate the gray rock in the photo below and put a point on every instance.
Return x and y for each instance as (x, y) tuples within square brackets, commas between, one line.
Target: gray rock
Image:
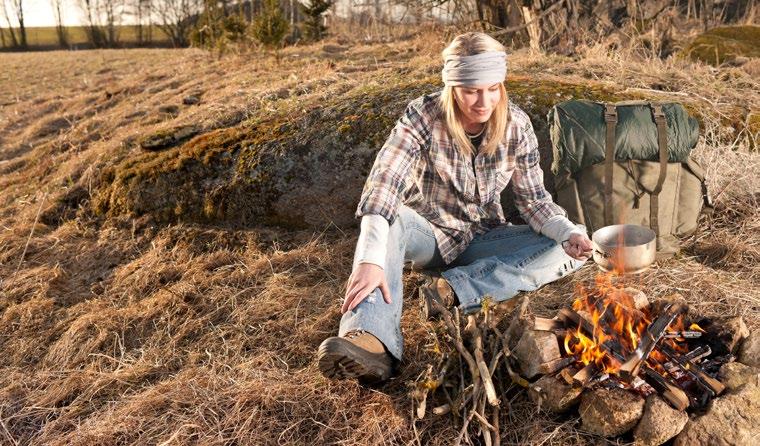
[(169, 109), (610, 412), (735, 374), (554, 395), (164, 139), (301, 165), (732, 420), (640, 300), (724, 334), (190, 100), (749, 352), (280, 93), (327, 48), (659, 423)]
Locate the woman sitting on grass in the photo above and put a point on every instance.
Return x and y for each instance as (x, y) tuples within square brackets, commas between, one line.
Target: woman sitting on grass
[(432, 200)]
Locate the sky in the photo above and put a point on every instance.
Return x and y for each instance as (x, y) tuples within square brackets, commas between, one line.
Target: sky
[(40, 13)]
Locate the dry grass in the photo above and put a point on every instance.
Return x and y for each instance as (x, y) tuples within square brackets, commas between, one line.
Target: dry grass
[(122, 332)]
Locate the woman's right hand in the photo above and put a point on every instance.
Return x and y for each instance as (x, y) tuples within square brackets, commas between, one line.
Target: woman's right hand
[(365, 278)]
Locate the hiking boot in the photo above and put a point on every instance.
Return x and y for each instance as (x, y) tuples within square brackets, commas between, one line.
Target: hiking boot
[(358, 354), (436, 288)]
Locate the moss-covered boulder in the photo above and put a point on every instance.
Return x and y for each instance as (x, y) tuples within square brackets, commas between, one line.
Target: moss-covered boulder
[(725, 44), (302, 166)]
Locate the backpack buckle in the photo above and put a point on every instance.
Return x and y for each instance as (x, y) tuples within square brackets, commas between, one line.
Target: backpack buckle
[(658, 113), (610, 113)]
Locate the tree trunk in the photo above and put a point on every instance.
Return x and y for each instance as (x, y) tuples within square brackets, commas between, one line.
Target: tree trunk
[(11, 32), (59, 29), (19, 4), (534, 30), (479, 7)]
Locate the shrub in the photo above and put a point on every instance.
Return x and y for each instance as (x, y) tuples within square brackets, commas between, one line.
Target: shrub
[(313, 28), (270, 25)]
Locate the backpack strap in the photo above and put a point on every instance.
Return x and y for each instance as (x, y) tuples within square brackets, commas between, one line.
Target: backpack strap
[(611, 118), (662, 142)]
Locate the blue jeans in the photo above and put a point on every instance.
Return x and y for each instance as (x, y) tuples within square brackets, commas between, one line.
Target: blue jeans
[(500, 263)]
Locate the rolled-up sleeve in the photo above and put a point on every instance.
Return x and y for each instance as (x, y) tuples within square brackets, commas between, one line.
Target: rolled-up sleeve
[(387, 180), (531, 197)]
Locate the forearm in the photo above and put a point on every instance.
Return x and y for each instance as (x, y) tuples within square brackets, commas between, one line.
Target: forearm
[(559, 228), (373, 240)]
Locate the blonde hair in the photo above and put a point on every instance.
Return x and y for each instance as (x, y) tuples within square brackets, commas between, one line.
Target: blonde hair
[(470, 44)]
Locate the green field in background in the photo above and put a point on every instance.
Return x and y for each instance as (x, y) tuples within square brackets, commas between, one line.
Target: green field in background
[(47, 36)]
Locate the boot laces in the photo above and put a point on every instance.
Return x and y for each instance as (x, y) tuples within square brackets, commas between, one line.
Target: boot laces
[(354, 334)]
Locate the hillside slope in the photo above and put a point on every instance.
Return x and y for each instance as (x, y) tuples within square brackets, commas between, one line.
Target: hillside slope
[(167, 270)]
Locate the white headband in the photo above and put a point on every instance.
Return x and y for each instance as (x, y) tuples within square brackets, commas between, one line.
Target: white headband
[(481, 69)]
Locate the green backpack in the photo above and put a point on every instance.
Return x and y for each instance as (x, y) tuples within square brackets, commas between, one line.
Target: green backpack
[(628, 162)]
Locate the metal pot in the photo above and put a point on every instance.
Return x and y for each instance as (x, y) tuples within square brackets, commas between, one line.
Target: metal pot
[(624, 248)]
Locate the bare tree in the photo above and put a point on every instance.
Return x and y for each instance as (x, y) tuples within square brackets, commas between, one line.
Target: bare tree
[(177, 18), (93, 27), (60, 31), (113, 11), (14, 40), (102, 19), (18, 8)]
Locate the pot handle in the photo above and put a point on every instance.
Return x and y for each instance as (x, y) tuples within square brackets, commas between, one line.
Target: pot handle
[(598, 250)]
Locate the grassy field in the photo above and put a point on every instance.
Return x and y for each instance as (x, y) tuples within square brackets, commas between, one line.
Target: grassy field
[(125, 327), (46, 37)]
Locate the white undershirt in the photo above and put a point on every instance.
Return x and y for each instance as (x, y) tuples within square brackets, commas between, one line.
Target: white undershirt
[(373, 238)]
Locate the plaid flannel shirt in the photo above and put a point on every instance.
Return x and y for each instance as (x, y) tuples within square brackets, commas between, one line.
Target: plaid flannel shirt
[(420, 166)]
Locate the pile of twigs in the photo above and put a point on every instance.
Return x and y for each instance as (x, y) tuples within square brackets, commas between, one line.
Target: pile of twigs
[(475, 354)]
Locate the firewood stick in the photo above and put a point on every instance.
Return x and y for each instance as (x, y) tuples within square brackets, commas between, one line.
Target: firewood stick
[(442, 410), (495, 424), (495, 362), (698, 353), (544, 324), (483, 421), (649, 340), (485, 376), (570, 316), (694, 371), (686, 334), (453, 332), (585, 374), (675, 396), (514, 376), (463, 430)]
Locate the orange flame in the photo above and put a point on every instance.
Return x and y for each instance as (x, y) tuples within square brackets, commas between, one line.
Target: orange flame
[(617, 325)]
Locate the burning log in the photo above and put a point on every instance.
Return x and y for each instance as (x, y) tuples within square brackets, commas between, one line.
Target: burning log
[(610, 347), (655, 331), (685, 334), (698, 353), (694, 371), (585, 375)]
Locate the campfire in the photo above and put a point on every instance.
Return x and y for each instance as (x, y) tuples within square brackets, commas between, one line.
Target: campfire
[(614, 337), (628, 362)]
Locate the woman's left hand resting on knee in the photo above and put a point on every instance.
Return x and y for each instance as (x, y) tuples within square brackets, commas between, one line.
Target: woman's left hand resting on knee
[(365, 278), (578, 246)]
